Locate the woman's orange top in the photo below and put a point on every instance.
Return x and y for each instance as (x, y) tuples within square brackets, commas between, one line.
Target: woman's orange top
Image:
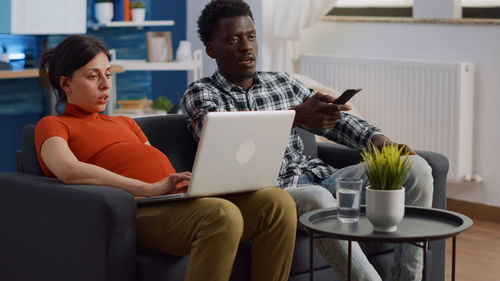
[(115, 143)]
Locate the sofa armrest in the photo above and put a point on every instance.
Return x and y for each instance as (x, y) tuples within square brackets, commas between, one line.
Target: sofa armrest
[(339, 156), (53, 231)]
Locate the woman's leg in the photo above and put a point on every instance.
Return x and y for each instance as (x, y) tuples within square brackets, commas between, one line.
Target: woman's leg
[(270, 221), (207, 229)]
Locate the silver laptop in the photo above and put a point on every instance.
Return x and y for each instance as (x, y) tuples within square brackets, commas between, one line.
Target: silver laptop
[(237, 152)]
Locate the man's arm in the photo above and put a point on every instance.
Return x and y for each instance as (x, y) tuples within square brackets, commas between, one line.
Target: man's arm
[(198, 101), (380, 140), (318, 113)]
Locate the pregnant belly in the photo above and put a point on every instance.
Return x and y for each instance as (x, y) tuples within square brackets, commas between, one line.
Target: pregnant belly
[(135, 160)]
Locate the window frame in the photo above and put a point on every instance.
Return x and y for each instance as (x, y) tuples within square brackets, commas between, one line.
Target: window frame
[(471, 10)]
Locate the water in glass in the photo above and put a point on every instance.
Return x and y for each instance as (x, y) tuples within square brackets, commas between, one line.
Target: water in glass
[(348, 200)]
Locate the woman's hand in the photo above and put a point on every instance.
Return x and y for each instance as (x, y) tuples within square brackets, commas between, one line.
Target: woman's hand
[(174, 183)]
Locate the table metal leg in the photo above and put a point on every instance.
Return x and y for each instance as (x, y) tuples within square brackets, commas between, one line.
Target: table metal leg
[(453, 256), (424, 273), (349, 262), (311, 256)]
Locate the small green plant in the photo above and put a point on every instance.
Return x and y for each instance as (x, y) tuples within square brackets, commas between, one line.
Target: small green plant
[(162, 103), (386, 168), (137, 5)]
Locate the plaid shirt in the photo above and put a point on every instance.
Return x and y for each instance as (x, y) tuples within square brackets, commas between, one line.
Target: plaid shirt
[(273, 91)]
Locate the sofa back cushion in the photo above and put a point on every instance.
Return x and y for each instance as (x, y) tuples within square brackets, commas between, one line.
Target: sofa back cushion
[(309, 140), (169, 134), (27, 156)]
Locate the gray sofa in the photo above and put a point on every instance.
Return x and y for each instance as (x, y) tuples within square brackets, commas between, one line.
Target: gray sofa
[(52, 231)]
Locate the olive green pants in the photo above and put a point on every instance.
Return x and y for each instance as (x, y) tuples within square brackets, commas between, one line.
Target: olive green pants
[(210, 229)]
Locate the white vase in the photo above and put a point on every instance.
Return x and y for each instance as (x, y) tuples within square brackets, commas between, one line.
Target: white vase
[(138, 14), (103, 12), (385, 208), (183, 53)]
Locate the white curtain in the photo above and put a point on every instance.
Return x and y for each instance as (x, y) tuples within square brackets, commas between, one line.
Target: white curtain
[(291, 18)]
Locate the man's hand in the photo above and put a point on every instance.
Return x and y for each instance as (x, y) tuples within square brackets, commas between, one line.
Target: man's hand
[(318, 112), (379, 141)]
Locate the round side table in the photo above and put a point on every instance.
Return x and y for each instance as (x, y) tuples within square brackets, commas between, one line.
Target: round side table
[(418, 225)]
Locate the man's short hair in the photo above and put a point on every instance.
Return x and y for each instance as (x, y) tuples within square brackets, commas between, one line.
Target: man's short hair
[(216, 9)]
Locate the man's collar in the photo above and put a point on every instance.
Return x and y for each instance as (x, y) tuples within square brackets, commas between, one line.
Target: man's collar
[(220, 80)]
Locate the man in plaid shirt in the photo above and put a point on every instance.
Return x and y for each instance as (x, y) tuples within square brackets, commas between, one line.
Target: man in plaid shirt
[(228, 33)]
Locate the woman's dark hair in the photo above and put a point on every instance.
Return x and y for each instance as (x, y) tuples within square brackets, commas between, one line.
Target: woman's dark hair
[(216, 9), (64, 59)]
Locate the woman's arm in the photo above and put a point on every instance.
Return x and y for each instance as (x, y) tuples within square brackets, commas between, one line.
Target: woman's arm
[(65, 166)]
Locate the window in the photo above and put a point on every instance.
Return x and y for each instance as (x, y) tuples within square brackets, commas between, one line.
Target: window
[(481, 9), (480, 3), (373, 8), (373, 3), (403, 8)]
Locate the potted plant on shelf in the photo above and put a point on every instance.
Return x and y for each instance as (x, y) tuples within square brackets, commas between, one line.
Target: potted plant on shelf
[(103, 10), (386, 169), (138, 11), (162, 103)]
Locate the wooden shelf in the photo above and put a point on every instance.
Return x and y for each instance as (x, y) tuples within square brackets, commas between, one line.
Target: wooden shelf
[(131, 114), (14, 74), (33, 72), (143, 65), (139, 25)]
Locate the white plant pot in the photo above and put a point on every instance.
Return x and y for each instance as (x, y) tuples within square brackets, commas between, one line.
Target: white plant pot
[(103, 12), (138, 14), (385, 208)]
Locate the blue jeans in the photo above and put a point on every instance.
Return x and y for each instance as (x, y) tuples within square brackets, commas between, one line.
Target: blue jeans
[(315, 193)]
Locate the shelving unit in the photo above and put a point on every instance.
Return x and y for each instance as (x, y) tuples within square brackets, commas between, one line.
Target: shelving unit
[(33, 72), (196, 66), (143, 65), (139, 25)]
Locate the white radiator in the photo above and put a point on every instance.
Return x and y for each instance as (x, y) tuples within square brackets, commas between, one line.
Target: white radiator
[(425, 104)]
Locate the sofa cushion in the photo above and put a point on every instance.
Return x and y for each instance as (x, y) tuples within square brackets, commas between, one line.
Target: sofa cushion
[(180, 148), (310, 147), (28, 158)]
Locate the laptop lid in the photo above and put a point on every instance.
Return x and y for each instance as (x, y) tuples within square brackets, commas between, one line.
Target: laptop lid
[(237, 152), (240, 151)]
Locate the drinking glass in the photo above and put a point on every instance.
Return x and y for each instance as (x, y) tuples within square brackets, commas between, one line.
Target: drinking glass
[(348, 197)]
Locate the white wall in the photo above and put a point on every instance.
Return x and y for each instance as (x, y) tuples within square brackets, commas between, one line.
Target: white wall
[(266, 43), (479, 44), (194, 8)]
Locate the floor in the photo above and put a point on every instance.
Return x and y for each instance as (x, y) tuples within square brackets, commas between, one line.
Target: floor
[(478, 253)]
